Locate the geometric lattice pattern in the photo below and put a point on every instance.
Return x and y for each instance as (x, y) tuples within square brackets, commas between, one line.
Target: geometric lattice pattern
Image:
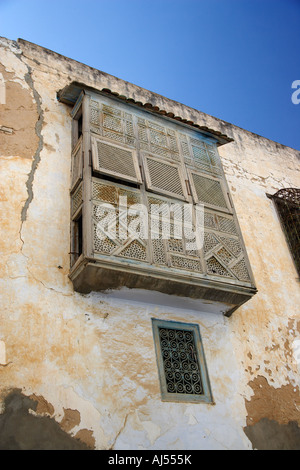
[(208, 190), (76, 164), (112, 123), (287, 202), (104, 192), (76, 199), (135, 250), (102, 245), (189, 264), (181, 366), (220, 223), (224, 256), (216, 268), (174, 250), (107, 238), (158, 140), (200, 155), (164, 177), (114, 160), (159, 164), (222, 247), (241, 271), (159, 252)]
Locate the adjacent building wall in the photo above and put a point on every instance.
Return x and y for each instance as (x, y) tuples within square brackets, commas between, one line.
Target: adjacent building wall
[(79, 371)]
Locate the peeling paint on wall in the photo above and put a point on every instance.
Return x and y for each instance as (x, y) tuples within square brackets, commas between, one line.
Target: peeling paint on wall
[(2, 90), (18, 113), (80, 371), (2, 353), (278, 404), (267, 434), (21, 429), (273, 416)]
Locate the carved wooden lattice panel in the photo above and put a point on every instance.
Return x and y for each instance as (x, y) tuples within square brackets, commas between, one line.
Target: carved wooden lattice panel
[(158, 139), (200, 155), (223, 251), (112, 123), (77, 162), (173, 234), (220, 223), (115, 228), (164, 177), (76, 200), (208, 190), (115, 161), (168, 161)]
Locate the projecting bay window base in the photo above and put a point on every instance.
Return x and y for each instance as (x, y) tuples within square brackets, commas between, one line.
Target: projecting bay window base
[(89, 275), (133, 172)]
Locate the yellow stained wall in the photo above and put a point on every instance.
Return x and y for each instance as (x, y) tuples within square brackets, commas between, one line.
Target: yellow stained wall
[(88, 362)]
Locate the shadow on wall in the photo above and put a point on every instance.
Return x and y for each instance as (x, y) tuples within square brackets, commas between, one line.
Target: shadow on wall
[(21, 430), (270, 435)]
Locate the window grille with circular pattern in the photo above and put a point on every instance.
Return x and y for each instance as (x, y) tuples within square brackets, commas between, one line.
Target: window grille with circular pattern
[(182, 371), (181, 363)]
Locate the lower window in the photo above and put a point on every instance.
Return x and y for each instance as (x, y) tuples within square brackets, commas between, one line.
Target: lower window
[(182, 368)]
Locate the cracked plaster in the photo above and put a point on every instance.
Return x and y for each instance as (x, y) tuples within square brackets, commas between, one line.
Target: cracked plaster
[(94, 354)]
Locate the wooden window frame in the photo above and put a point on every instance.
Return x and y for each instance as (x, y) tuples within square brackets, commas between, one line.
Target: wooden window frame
[(227, 209), (206, 397), (151, 187), (115, 174)]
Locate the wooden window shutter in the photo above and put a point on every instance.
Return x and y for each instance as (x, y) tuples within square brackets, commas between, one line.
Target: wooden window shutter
[(209, 191), (164, 177), (115, 160), (77, 163), (200, 155)]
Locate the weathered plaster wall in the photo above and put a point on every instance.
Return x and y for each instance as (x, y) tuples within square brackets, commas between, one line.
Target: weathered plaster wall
[(267, 328), (80, 371)]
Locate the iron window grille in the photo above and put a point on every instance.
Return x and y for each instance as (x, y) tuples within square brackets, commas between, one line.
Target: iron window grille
[(287, 202), (181, 362)]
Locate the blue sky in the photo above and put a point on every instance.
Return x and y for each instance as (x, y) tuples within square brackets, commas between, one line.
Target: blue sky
[(233, 59)]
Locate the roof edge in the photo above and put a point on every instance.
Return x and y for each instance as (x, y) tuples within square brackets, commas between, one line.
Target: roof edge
[(70, 93)]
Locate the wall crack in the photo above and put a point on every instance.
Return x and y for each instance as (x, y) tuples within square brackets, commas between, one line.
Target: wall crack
[(37, 156), (38, 130), (120, 431)]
